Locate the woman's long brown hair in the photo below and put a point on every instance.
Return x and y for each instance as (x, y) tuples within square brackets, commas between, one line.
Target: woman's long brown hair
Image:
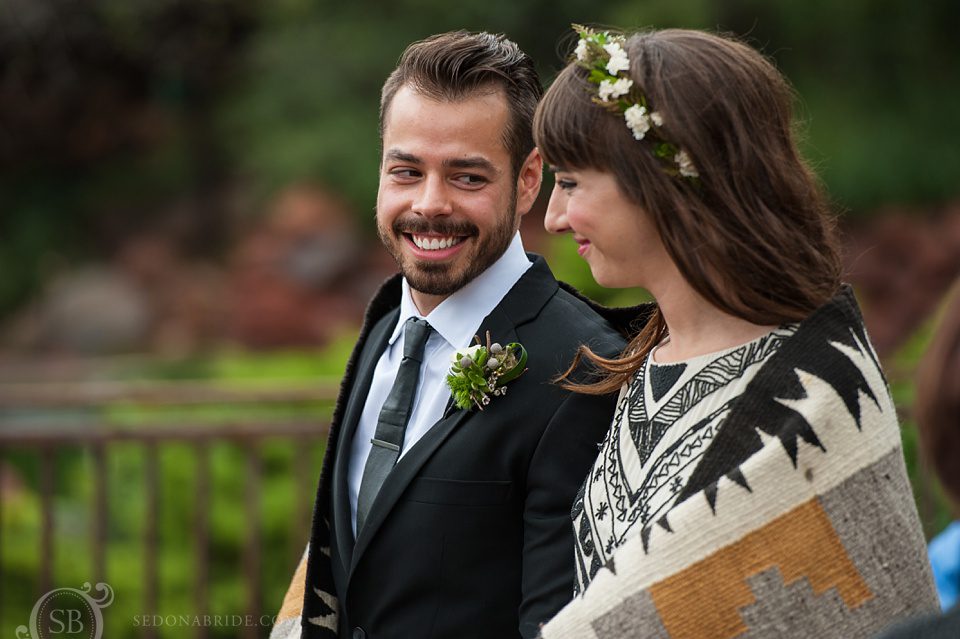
[(754, 235)]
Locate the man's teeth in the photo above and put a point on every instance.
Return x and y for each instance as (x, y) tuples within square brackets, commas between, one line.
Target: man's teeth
[(435, 243)]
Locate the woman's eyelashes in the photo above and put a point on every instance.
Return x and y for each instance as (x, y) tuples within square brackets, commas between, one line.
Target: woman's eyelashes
[(565, 184)]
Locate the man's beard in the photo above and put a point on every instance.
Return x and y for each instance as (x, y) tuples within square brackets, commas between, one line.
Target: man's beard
[(442, 278)]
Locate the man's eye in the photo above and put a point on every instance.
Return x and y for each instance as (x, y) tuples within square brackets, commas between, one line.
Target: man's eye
[(405, 174), (471, 180)]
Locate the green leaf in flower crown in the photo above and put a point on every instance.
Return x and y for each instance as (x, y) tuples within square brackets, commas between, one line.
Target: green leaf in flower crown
[(595, 59), (597, 76), (664, 150)]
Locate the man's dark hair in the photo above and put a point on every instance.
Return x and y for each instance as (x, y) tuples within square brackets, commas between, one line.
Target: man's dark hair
[(453, 66)]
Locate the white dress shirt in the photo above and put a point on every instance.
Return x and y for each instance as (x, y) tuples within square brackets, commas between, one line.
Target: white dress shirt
[(455, 321)]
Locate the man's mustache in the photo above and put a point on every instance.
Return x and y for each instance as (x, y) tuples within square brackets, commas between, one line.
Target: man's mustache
[(419, 226)]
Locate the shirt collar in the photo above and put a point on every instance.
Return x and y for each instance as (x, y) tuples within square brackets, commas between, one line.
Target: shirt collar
[(457, 318)]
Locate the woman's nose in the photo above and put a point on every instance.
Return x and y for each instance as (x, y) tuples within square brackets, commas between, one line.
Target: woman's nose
[(555, 221)]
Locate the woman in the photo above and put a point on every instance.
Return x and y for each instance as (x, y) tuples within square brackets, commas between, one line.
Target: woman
[(752, 482)]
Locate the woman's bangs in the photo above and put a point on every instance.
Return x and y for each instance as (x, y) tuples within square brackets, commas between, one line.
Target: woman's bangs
[(566, 124)]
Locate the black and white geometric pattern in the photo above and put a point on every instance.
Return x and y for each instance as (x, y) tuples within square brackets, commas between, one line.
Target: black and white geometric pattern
[(666, 418)]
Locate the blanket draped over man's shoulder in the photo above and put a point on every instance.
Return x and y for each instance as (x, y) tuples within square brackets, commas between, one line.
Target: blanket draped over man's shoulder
[(798, 522), (320, 603)]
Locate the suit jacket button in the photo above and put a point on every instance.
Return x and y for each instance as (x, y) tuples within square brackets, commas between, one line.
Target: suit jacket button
[(358, 633)]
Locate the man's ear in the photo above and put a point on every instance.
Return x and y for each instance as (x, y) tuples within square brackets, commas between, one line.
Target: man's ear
[(528, 182)]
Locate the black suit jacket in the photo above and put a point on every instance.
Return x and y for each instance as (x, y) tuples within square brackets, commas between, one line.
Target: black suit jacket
[(470, 536)]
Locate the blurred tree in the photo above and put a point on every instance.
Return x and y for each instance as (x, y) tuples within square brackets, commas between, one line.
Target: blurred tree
[(875, 80), (106, 110), (309, 109), (113, 110), (878, 85)]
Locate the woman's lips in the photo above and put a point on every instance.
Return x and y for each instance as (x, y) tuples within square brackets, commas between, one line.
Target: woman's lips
[(582, 246)]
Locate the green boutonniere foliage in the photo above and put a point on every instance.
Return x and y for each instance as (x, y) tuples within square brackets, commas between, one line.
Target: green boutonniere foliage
[(479, 372)]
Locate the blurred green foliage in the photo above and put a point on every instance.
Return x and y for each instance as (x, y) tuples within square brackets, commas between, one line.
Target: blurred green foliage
[(176, 558), (176, 553), (933, 504), (113, 112), (280, 496), (875, 78)]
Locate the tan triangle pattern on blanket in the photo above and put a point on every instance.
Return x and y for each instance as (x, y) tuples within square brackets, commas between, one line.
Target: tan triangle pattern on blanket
[(293, 601), (708, 595)]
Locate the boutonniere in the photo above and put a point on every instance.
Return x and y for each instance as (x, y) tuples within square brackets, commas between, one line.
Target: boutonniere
[(479, 372)]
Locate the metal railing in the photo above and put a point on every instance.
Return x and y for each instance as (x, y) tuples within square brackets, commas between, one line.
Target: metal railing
[(46, 440)]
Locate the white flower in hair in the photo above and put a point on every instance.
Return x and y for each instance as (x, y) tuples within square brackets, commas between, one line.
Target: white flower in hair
[(685, 164), (618, 58), (603, 56), (614, 90), (581, 50), (638, 120)]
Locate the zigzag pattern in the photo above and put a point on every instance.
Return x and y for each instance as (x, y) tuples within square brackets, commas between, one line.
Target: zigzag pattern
[(844, 363), (610, 506), (715, 375), (583, 524), (677, 457)]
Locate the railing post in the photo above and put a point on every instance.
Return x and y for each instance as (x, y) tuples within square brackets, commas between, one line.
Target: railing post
[(251, 556), (47, 485), (150, 536), (303, 500), (97, 438), (101, 516), (202, 523)]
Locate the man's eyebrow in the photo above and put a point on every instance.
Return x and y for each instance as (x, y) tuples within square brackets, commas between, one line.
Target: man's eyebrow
[(471, 163), (402, 156), (475, 162)]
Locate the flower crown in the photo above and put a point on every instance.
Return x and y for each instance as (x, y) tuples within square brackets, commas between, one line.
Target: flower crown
[(604, 57)]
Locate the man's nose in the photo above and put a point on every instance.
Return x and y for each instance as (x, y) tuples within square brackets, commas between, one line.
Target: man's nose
[(434, 198)]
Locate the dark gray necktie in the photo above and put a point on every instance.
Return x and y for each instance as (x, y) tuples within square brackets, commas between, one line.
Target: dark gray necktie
[(388, 439)]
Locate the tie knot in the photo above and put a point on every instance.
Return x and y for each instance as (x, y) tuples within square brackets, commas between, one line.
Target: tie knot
[(415, 334)]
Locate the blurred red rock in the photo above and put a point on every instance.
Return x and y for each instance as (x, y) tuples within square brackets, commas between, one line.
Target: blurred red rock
[(301, 274), (304, 271), (902, 263)]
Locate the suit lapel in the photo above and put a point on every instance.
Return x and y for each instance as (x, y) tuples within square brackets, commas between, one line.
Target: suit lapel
[(501, 330), (343, 520), (520, 305), (401, 476)]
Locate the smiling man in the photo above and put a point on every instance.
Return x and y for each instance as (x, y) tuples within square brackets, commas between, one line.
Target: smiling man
[(430, 520), (441, 157)]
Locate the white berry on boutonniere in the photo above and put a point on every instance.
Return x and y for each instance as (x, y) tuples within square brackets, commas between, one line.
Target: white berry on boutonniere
[(479, 372)]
